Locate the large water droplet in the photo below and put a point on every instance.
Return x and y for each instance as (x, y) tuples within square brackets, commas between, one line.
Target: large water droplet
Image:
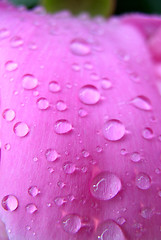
[(113, 130), (29, 82), (31, 208), (54, 87), (135, 157), (142, 103), (63, 126), (109, 230), (43, 103), (33, 191), (69, 167), (10, 203), (89, 94), (51, 155), (21, 129), (16, 42), (61, 106), (11, 66), (80, 47), (71, 223), (143, 181), (147, 133), (105, 186), (9, 115)]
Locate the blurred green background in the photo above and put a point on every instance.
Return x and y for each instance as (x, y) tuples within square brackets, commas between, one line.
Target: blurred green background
[(103, 7)]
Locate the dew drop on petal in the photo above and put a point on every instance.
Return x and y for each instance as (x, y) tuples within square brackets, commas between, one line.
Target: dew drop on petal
[(143, 181), (43, 103), (21, 129), (63, 126), (9, 115), (71, 223), (69, 167), (106, 83), (11, 66), (89, 94), (147, 213), (33, 191), (142, 103), (29, 82), (85, 153), (113, 130), (147, 133), (7, 146), (135, 157), (51, 155), (82, 112), (10, 203), (61, 106), (16, 42), (31, 208), (4, 33), (80, 47), (59, 201), (105, 186), (54, 87)]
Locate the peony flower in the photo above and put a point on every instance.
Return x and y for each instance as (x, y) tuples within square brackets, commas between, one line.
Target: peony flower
[(81, 126)]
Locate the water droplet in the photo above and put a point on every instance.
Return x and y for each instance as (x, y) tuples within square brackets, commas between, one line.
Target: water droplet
[(11, 66), (7, 146), (85, 153), (35, 159), (88, 66), (105, 186), (99, 149), (135, 157), (80, 47), (9, 115), (106, 83), (16, 42), (51, 155), (32, 46), (94, 77), (82, 112), (76, 67), (84, 169), (159, 193), (28, 228), (123, 151), (61, 184), (29, 82), (59, 201), (147, 133), (147, 213), (142, 103), (143, 181), (31, 208), (4, 33), (10, 203), (71, 223), (61, 106), (33, 191), (69, 167), (63, 126), (50, 169), (121, 220), (109, 230), (42, 103), (54, 87), (21, 129), (114, 130), (89, 94)]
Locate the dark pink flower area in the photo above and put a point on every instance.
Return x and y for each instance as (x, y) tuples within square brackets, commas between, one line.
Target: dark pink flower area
[(81, 126)]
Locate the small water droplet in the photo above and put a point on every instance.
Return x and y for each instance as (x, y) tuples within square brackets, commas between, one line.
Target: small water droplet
[(85, 153), (21, 129), (89, 94), (123, 151), (105, 186), (159, 193), (54, 87), (9, 115), (121, 220), (16, 42), (28, 228), (7, 146), (4, 33), (109, 230), (35, 159), (61, 184), (135, 157), (29, 82), (114, 130), (69, 167), (147, 213), (31, 208), (63, 126), (84, 169), (33, 191), (61, 106), (10, 203), (88, 66), (32, 46), (11, 66), (106, 83), (71, 223), (50, 169), (94, 77), (142, 103), (51, 155), (143, 181), (43, 103), (80, 47), (82, 112), (147, 133), (59, 201), (76, 67)]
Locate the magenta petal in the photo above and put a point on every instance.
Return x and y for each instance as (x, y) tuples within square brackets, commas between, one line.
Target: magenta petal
[(81, 128)]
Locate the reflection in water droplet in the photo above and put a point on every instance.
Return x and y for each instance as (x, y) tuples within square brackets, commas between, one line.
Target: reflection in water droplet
[(69, 167), (142, 103), (80, 47), (61, 106), (54, 87), (16, 42), (143, 181), (31, 208), (89, 94), (11, 66), (105, 186), (71, 223), (9, 115), (147, 133), (109, 230), (105, 83), (7, 146), (42, 103), (113, 130), (82, 112), (29, 82), (33, 191), (135, 157), (21, 129), (63, 126), (10, 203), (51, 155)]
